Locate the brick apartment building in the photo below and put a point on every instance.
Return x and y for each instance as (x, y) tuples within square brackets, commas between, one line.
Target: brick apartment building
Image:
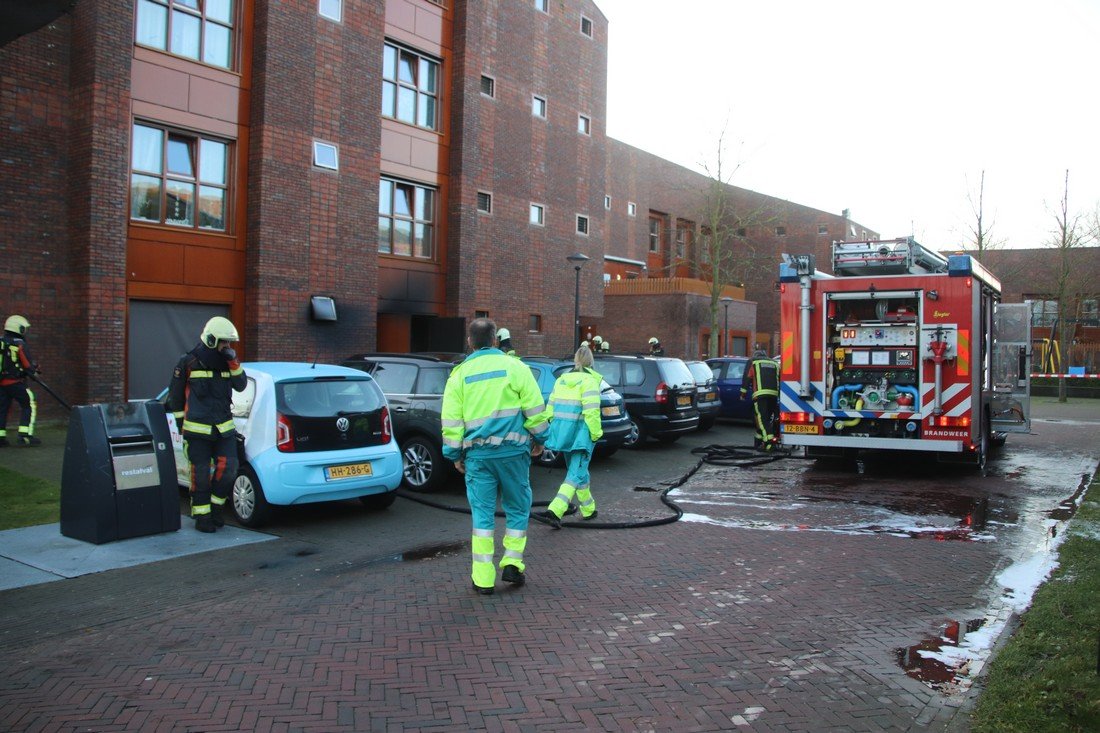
[(420, 162)]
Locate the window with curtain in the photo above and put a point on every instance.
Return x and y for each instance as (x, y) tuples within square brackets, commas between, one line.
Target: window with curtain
[(406, 219), (201, 30), (178, 178), (410, 86)]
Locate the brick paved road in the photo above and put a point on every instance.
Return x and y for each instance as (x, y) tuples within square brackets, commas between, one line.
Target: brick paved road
[(696, 626)]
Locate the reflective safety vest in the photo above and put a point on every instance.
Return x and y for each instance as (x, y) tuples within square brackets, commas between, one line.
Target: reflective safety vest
[(575, 411), (201, 392), (761, 378), (491, 406)]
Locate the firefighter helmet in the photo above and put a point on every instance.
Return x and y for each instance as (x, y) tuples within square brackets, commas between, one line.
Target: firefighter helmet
[(653, 340), (503, 334), (17, 325), (218, 329), (597, 340)]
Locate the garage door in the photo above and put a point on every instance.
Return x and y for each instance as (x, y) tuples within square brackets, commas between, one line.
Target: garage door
[(158, 333)]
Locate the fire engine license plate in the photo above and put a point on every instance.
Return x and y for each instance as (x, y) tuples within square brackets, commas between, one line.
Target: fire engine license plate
[(683, 400), (612, 411), (351, 470), (805, 429)]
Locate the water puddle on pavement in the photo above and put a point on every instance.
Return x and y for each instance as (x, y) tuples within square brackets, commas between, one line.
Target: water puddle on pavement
[(432, 552), (927, 662)]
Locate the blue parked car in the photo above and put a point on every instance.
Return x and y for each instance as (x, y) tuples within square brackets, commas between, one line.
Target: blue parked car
[(617, 429), (310, 432), (729, 371)]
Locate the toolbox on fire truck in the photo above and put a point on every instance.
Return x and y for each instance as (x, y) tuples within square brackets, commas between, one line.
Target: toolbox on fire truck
[(903, 348)]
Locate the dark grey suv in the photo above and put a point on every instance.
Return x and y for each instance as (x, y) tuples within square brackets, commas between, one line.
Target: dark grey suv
[(659, 392), (413, 385)]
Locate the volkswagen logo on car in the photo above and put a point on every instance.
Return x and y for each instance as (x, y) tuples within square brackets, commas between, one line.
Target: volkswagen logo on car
[(342, 424)]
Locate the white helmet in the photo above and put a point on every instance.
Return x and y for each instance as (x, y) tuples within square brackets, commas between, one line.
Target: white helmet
[(597, 340), (503, 334), (218, 329), (17, 325), (653, 340)]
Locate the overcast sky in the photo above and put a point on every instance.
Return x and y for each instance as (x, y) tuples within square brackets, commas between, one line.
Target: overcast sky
[(889, 109)]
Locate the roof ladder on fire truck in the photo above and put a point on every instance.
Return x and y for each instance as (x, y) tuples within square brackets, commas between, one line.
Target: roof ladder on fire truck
[(886, 257)]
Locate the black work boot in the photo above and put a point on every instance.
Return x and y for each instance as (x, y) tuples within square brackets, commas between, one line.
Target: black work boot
[(29, 441), (3, 442), (511, 574), (550, 518), (205, 523), (217, 516), (482, 591)]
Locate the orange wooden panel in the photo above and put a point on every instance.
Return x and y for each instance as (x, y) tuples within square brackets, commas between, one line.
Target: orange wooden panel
[(157, 262)]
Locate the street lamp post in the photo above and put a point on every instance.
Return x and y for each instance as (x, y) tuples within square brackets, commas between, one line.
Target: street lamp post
[(726, 331), (578, 259)]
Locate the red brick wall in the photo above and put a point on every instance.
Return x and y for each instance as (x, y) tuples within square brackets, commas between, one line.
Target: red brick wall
[(499, 262), (313, 232), (676, 320)]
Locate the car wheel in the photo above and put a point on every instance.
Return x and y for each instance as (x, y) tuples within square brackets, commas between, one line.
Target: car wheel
[(548, 458), (249, 503), (422, 463), (378, 502), (637, 434)]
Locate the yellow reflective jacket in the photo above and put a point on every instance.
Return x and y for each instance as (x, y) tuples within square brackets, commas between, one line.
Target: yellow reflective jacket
[(491, 406), (575, 411)]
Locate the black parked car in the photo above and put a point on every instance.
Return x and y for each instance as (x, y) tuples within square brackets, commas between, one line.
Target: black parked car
[(707, 400), (659, 393), (413, 385)]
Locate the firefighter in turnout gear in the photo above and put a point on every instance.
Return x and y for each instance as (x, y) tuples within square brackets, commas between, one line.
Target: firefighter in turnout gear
[(15, 366), (762, 381), (201, 397), (504, 341), (494, 420), (655, 347), (575, 427)]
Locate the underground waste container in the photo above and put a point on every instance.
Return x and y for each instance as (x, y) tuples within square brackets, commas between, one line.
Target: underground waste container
[(119, 476)]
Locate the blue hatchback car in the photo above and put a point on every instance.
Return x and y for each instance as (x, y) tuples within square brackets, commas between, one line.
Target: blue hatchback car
[(310, 432), (729, 371), (613, 417)]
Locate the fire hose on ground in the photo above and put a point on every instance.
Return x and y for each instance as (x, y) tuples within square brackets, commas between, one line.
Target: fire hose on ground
[(716, 455)]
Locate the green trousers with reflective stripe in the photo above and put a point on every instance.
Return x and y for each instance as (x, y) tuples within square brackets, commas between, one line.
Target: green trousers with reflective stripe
[(576, 480), (486, 478)]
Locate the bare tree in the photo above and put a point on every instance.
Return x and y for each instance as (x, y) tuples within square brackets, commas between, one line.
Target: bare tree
[(981, 227), (1066, 287), (727, 253)]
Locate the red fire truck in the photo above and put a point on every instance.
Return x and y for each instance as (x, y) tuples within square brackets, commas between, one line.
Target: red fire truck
[(901, 348)]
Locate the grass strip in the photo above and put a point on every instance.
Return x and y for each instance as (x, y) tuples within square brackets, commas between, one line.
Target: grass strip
[(1046, 677), (27, 501)]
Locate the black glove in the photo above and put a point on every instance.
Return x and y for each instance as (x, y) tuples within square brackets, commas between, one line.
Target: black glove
[(229, 354)]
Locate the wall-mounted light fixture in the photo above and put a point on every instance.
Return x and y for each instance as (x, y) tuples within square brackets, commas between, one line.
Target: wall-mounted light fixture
[(322, 308)]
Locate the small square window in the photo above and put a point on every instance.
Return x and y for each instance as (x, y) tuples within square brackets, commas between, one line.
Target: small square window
[(331, 9), (538, 214), (485, 202), (488, 86), (538, 107), (607, 202), (481, 314), (822, 229), (584, 125), (582, 224), (542, 5), (586, 26), (781, 231), (326, 155), (631, 208), (534, 323)]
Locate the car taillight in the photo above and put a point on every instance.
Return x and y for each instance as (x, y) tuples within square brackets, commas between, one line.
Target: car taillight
[(387, 428), (284, 434), (662, 393)]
